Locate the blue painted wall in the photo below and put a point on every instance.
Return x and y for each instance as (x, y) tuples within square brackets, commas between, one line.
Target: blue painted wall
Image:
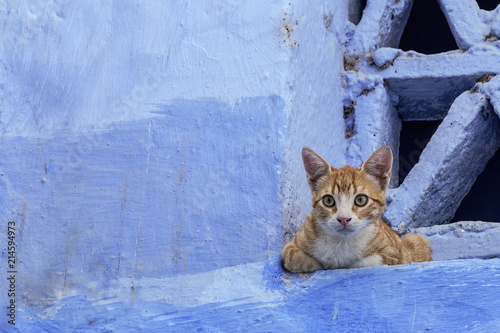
[(139, 140), (150, 157), (184, 192)]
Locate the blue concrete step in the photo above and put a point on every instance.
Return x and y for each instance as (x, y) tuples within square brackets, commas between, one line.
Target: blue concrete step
[(441, 296)]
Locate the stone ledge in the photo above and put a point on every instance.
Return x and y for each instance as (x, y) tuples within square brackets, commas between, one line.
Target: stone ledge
[(441, 296), (427, 85), (463, 240)]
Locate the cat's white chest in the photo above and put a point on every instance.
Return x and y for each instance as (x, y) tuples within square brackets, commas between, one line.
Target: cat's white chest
[(334, 251)]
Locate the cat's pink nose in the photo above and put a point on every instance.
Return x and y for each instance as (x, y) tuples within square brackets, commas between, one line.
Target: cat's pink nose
[(343, 220)]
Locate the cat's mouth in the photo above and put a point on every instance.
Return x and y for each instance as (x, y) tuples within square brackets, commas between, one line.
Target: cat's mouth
[(345, 231)]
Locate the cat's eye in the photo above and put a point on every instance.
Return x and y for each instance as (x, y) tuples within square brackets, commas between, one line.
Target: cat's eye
[(329, 201), (360, 200)]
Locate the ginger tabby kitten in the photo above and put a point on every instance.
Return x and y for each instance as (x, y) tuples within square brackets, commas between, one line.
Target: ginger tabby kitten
[(345, 229)]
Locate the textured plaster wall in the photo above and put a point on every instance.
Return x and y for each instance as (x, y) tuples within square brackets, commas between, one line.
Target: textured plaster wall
[(315, 117), (134, 133), (145, 141), (138, 141), (150, 157)]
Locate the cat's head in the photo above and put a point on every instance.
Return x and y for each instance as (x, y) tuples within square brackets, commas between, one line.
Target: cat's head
[(347, 199)]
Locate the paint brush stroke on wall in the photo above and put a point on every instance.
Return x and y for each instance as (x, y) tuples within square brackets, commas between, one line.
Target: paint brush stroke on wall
[(192, 190)]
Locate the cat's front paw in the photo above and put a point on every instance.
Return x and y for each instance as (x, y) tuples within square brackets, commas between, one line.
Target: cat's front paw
[(371, 260), (297, 261)]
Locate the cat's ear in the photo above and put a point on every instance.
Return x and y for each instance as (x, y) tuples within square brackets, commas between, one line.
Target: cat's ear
[(379, 166), (315, 165)]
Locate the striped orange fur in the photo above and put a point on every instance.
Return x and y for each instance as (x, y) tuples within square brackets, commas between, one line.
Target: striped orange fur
[(344, 228)]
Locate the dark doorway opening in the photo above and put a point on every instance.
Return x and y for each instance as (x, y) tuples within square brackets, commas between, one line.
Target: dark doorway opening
[(482, 203), (427, 30), (414, 137), (488, 4)]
